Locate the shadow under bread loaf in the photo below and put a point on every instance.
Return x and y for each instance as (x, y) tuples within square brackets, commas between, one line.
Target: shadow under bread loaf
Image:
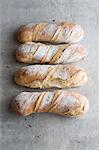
[(31, 52), (63, 32), (48, 76), (59, 102)]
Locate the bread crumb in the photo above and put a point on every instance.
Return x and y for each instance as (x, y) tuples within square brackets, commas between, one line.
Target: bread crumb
[(30, 125)]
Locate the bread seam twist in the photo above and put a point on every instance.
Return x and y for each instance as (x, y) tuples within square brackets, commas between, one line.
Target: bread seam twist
[(49, 76)]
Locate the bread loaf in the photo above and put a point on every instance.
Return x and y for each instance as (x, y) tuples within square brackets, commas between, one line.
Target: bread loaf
[(31, 52), (59, 102), (48, 76), (64, 32)]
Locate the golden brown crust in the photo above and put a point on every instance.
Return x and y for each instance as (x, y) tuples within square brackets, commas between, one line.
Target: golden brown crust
[(67, 24), (25, 34), (59, 102), (48, 76), (64, 32)]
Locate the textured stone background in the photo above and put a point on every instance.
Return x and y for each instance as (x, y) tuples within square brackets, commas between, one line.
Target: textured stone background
[(47, 131)]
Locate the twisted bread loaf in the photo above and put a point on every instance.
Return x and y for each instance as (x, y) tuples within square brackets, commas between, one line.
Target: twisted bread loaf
[(59, 102), (31, 52), (48, 76), (64, 32)]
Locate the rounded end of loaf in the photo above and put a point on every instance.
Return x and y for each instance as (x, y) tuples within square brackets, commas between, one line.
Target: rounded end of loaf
[(75, 30), (15, 107), (84, 105), (78, 52), (81, 51), (23, 53), (20, 77), (20, 104), (26, 76), (24, 34), (78, 77), (22, 57), (80, 105)]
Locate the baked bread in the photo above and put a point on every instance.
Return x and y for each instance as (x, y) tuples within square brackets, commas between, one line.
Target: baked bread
[(48, 76), (59, 102), (63, 32), (31, 52)]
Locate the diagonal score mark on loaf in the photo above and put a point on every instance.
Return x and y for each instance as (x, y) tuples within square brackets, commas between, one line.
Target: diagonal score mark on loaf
[(51, 71), (56, 34), (61, 30), (55, 101), (49, 31), (38, 101), (66, 31), (43, 59), (58, 54), (65, 54), (37, 48), (48, 101), (63, 105), (73, 53), (27, 99)]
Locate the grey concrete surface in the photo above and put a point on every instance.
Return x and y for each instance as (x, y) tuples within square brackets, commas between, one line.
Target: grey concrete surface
[(47, 131)]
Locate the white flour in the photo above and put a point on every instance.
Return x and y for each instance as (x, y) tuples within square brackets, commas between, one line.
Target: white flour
[(42, 69), (26, 99)]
